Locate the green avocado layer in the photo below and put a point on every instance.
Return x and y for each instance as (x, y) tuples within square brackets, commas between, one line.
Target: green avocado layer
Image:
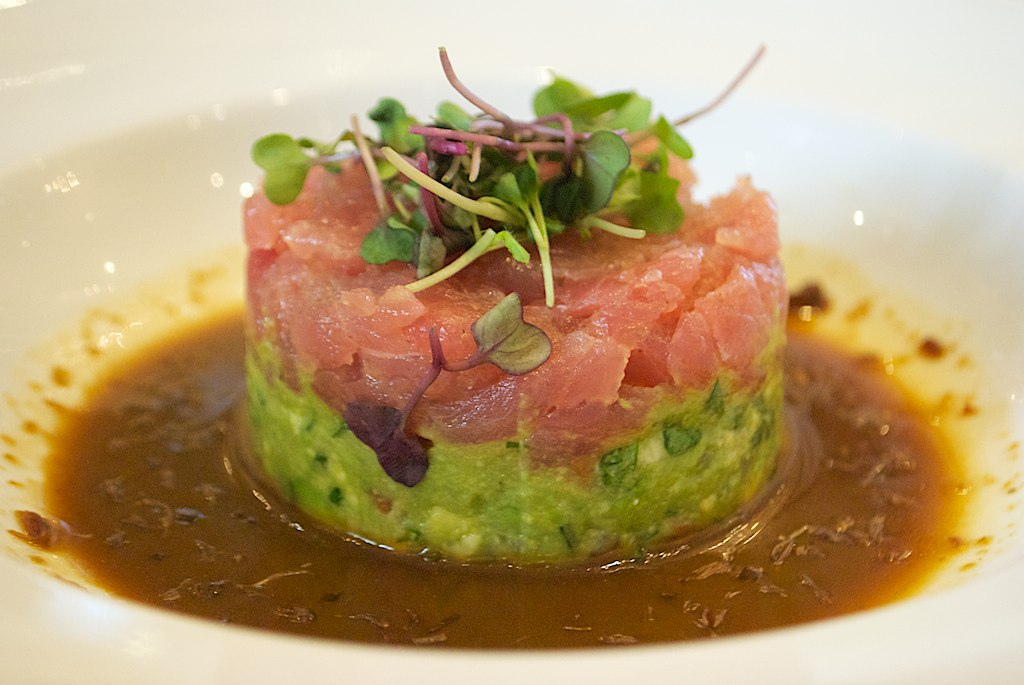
[(699, 460)]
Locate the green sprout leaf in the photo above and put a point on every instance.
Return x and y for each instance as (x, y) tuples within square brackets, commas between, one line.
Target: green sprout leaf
[(514, 247), (450, 114), (516, 187), (394, 126), (323, 148), (605, 156), (430, 255), (561, 197), (519, 188), (667, 134), (654, 206), (507, 188), (633, 115), (623, 110), (590, 109), (507, 341), (558, 96), (389, 241), (286, 165)]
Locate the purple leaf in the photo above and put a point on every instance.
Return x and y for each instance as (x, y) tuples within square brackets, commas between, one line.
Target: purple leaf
[(382, 429)]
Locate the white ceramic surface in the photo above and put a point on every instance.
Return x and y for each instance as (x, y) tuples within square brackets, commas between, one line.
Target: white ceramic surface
[(124, 134)]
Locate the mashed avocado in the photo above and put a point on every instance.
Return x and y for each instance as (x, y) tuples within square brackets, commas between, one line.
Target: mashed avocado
[(697, 462)]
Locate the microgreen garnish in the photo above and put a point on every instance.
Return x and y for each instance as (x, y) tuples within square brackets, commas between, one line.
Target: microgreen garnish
[(382, 428), (505, 340), (286, 165), (462, 185), (287, 162), (502, 338), (390, 240)]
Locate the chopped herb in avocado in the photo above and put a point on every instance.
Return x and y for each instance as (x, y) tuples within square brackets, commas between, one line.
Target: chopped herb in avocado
[(617, 468), (679, 438)]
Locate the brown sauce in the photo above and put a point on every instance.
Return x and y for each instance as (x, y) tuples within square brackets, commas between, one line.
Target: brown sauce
[(156, 509)]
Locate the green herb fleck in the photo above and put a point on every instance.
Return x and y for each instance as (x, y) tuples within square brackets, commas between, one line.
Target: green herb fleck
[(617, 468), (715, 403), (569, 535), (679, 438)]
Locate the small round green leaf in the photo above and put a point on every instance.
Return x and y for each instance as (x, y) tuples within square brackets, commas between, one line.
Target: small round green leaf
[(605, 156), (508, 342), (286, 165), (667, 134), (386, 243)]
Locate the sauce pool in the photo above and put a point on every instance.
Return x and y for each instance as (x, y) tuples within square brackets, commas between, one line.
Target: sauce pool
[(148, 478)]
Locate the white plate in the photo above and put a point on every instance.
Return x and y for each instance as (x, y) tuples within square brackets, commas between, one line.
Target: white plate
[(124, 146)]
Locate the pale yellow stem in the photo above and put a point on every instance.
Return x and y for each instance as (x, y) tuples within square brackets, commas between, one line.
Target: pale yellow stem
[(371, 167), (610, 227), (490, 211), (479, 248)]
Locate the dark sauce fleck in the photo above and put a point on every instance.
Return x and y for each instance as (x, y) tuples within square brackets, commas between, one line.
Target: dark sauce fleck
[(931, 348), (158, 509), (61, 377), (810, 295)]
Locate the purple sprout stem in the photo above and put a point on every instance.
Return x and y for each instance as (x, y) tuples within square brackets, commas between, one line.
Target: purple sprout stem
[(747, 68), (532, 127), (428, 199), (437, 362), (569, 136), (449, 72), (485, 139), (448, 147), (475, 359), (637, 136)]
